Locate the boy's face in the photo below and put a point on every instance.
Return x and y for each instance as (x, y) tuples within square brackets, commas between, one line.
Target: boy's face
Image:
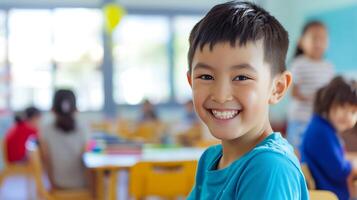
[(231, 88)]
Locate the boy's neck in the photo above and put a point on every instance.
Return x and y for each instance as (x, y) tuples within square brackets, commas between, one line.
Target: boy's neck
[(234, 149)]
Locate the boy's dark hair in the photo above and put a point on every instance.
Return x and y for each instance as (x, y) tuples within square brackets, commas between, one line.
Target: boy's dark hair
[(27, 114), (64, 106), (338, 92), (243, 22), (308, 25)]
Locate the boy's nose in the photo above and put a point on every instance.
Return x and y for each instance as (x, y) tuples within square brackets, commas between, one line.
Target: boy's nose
[(222, 93)]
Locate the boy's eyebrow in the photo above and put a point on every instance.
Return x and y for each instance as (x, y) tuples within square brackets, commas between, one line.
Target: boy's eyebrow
[(235, 67), (202, 66), (244, 66)]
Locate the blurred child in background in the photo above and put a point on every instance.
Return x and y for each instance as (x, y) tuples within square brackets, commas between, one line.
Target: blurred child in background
[(149, 128), (63, 142), (335, 111), (26, 126), (148, 112), (190, 128), (310, 72), (190, 114)]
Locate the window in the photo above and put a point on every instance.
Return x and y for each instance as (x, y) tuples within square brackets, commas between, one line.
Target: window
[(183, 26), (3, 68), (78, 54), (141, 60), (30, 58), (63, 48), (55, 49)]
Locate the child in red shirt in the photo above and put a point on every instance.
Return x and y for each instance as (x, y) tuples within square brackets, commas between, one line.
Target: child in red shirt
[(25, 126)]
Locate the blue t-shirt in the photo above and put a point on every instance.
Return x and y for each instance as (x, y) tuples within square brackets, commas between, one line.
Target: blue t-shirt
[(270, 171), (323, 153)]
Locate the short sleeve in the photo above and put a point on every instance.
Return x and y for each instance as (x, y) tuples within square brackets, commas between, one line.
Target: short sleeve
[(272, 176)]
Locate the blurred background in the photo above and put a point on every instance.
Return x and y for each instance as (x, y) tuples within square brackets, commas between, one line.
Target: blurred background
[(46, 45)]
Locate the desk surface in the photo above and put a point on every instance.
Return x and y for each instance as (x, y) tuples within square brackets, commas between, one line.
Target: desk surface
[(121, 161)]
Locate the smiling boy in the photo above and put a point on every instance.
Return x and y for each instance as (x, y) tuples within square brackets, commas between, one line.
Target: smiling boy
[(236, 70)]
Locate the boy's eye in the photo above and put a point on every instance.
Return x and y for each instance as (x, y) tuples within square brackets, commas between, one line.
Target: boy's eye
[(241, 78), (205, 77)]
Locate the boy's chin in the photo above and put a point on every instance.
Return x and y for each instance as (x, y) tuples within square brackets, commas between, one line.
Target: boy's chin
[(226, 135)]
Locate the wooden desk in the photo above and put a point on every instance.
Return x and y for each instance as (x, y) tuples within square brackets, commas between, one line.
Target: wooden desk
[(100, 163)]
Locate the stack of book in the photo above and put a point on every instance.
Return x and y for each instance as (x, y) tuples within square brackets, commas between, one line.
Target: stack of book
[(109, 144)]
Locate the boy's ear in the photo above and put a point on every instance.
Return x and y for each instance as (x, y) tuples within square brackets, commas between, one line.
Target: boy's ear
[(281, 84), (188, 74)]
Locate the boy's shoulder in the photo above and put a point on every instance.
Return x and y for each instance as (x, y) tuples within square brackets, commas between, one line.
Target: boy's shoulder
[(210, 155), (274, 149), (274, 160)]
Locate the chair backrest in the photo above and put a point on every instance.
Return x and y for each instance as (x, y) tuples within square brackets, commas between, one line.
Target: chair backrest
[(322, 195), (164, 179), (38, 172), (37, 169), (308, 177), (206, 143), (124, 128), (105, 126), (4, 152)]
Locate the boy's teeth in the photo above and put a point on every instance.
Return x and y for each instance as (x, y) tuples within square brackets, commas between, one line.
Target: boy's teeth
[(225, 114)]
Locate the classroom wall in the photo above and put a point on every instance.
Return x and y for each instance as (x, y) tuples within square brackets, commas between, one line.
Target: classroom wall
[(293, 14), (342, 28)]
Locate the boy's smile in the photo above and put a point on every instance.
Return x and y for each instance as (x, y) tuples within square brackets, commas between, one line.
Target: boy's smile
[(224, 114), (231, 88)]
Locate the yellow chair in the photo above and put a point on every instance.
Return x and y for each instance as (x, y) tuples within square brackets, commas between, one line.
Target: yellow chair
[(163, 179), (149, 132), (322, 195), (11, 169), (308, 177), (206, 143), (125, 128), (192, 137), (104, 126), (43, 193)]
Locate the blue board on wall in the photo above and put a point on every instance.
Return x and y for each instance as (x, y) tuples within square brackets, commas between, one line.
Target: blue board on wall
[(342, 28)]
